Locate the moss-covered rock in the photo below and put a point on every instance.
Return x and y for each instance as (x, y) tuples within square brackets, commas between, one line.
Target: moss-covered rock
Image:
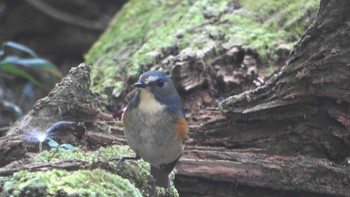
[(145, 33), (63, 183), (131, 178)]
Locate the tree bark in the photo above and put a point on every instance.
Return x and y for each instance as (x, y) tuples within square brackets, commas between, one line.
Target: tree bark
[(289, 137), (222, 172), (71, 100), (292, 134)]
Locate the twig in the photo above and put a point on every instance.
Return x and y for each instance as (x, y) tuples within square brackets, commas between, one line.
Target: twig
[(65, 17), (54, 153), (103, 139), (61, 164)]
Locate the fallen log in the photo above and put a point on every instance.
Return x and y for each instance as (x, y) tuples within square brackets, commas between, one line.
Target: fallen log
[(231, 171)]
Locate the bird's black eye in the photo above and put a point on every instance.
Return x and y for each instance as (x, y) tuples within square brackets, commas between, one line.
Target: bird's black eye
[(160, 82)]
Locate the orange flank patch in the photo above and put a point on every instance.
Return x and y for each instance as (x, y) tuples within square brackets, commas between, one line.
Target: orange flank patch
[(181, 129)]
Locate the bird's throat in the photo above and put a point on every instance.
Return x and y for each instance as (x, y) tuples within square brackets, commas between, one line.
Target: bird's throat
[(148, 102)]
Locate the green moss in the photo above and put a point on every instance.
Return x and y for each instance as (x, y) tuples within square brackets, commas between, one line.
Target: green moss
[(131, 31), (137, 172), (263, 24), (104, 153), (78, 183), (144, 32), (141, 27), (134, 170)]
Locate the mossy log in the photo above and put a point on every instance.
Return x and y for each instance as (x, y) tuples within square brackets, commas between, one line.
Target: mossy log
[(291, 135)]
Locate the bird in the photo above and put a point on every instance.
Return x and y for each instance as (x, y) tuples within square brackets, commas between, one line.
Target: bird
[(155, 124)]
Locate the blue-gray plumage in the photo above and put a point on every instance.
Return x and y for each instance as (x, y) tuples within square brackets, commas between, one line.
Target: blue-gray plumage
[(155, 125)]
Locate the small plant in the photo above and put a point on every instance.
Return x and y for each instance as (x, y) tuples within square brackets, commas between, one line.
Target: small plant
[(42, 137), (59, 147), (19, 61), (21, 66), (10, 106)]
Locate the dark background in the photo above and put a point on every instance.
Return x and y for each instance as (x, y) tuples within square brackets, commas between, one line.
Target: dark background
[(59, 31), (63, 33)]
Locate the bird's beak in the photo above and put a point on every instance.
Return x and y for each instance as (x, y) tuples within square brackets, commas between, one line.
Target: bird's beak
[(140, 85)]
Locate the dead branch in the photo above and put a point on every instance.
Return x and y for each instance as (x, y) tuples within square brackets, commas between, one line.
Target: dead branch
[(67, 164)]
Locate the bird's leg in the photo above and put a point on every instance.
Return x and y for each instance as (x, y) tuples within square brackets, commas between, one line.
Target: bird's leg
[(122, 159), (152, 190)]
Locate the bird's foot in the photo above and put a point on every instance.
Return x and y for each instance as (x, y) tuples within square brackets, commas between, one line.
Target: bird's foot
[(120, 160)]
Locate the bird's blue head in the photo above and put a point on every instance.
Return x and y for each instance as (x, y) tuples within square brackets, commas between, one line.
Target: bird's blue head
[(156, 87)]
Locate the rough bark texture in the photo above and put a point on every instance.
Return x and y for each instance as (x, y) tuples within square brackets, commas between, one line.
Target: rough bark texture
[(289, 137), (302, 110), (223, 172), (70, 100), (12, 148)]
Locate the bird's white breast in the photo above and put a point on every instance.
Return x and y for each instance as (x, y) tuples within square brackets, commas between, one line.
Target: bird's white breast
[(148, 103)]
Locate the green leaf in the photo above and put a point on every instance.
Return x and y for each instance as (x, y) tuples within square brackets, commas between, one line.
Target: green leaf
[(67, 146), (61, 149), (36, 63), (52, 143), (20, 47), (8, 67), (17, 111)]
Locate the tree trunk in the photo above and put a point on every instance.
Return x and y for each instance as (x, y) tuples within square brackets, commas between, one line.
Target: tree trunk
[(289, 137)]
